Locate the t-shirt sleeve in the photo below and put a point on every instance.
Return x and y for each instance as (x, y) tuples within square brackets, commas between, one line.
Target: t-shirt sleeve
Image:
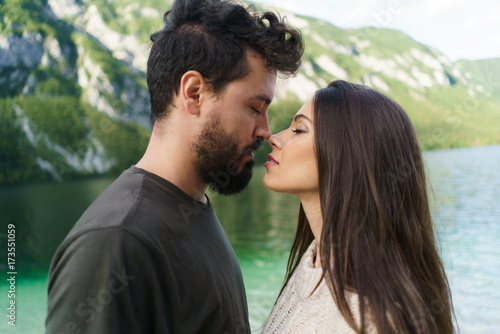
[(106, 281)]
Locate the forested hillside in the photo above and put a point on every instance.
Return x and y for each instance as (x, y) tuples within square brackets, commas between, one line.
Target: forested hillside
[(74, 101)]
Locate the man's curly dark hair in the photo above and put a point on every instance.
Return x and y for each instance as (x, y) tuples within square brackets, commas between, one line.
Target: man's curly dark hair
[(212, 37)]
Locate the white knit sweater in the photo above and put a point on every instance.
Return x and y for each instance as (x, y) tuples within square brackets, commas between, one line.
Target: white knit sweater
[(297, 311)]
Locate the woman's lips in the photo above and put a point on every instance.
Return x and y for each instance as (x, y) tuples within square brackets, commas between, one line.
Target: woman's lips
[(272, 161)]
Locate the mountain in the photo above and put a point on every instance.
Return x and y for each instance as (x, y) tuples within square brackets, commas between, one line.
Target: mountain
[(484, 74), (74, 100)]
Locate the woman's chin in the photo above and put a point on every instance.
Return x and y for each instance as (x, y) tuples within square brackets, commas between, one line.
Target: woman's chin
[(269, 184)]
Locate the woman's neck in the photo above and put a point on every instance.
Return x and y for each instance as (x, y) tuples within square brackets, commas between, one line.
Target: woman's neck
[(312, 208)]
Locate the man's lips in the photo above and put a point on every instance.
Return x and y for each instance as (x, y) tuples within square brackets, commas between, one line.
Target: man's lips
[(250, 149), (248, 153), (272, 162)]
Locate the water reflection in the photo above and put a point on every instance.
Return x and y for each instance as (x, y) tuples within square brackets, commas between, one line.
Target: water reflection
[(260, 225), (43, 214)]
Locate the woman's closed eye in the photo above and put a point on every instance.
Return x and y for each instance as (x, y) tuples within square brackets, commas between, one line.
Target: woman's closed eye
[(298, 131)]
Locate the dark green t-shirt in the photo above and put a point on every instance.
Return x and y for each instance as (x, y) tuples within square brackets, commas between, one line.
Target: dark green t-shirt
[(146, 258)]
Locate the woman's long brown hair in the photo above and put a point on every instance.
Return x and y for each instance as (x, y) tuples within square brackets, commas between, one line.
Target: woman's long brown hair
[(377, 237)]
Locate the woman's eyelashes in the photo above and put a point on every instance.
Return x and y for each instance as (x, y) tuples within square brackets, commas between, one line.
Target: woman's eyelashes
[(298, 130)]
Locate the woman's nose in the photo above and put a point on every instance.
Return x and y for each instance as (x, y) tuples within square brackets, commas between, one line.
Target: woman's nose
[(275, 141)]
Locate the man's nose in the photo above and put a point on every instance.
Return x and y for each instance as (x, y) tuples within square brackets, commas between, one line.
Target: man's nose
[(262, 130)]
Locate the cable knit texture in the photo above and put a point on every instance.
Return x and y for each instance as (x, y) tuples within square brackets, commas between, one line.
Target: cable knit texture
[(297, 311)]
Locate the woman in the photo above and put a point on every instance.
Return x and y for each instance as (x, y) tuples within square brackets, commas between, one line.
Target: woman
[(365, 231)]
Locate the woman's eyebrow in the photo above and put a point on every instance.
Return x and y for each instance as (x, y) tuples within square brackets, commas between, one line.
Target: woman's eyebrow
[(296, 117)]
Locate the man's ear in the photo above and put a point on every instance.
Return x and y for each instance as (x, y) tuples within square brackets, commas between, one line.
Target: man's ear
[(191, 90)]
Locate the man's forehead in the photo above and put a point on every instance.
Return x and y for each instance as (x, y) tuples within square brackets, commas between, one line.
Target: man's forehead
[(259, 83)]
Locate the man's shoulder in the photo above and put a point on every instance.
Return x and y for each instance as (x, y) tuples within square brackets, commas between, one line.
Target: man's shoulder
[(134, 196), (139, 204), (113, 205)]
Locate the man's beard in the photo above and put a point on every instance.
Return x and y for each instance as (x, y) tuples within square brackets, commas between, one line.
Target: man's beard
[(219, 158)]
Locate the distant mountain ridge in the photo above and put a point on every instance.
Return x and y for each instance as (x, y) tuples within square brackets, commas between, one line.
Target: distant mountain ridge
[(74, 100)]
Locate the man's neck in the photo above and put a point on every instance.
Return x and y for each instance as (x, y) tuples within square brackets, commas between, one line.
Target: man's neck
[(173, 161)]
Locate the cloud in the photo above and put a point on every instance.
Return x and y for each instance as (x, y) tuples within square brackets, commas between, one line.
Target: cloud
[(473, 22), (494, 39), (451, 26), (435, 7), (489, 16)]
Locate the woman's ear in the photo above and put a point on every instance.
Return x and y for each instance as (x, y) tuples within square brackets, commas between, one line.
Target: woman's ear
[(191, 89)]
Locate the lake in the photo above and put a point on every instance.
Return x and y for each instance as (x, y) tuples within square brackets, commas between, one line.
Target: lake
[(261, 224)]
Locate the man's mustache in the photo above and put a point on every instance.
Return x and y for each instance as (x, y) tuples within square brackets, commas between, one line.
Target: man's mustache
[(253, 146)]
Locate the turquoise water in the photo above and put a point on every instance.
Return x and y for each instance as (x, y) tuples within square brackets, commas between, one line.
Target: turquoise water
[(466, 183), (261, 225)]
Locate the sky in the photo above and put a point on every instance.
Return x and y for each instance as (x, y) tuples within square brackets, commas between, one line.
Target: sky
[(460, 29)]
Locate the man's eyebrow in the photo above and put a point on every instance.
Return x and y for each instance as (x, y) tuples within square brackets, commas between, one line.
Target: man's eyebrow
[(262, 97), (296, 117)]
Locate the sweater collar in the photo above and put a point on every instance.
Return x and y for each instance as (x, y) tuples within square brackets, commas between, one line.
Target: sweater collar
[(307, 276)]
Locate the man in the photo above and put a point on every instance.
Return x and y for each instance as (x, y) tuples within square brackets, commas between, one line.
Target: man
[(149, 255)]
